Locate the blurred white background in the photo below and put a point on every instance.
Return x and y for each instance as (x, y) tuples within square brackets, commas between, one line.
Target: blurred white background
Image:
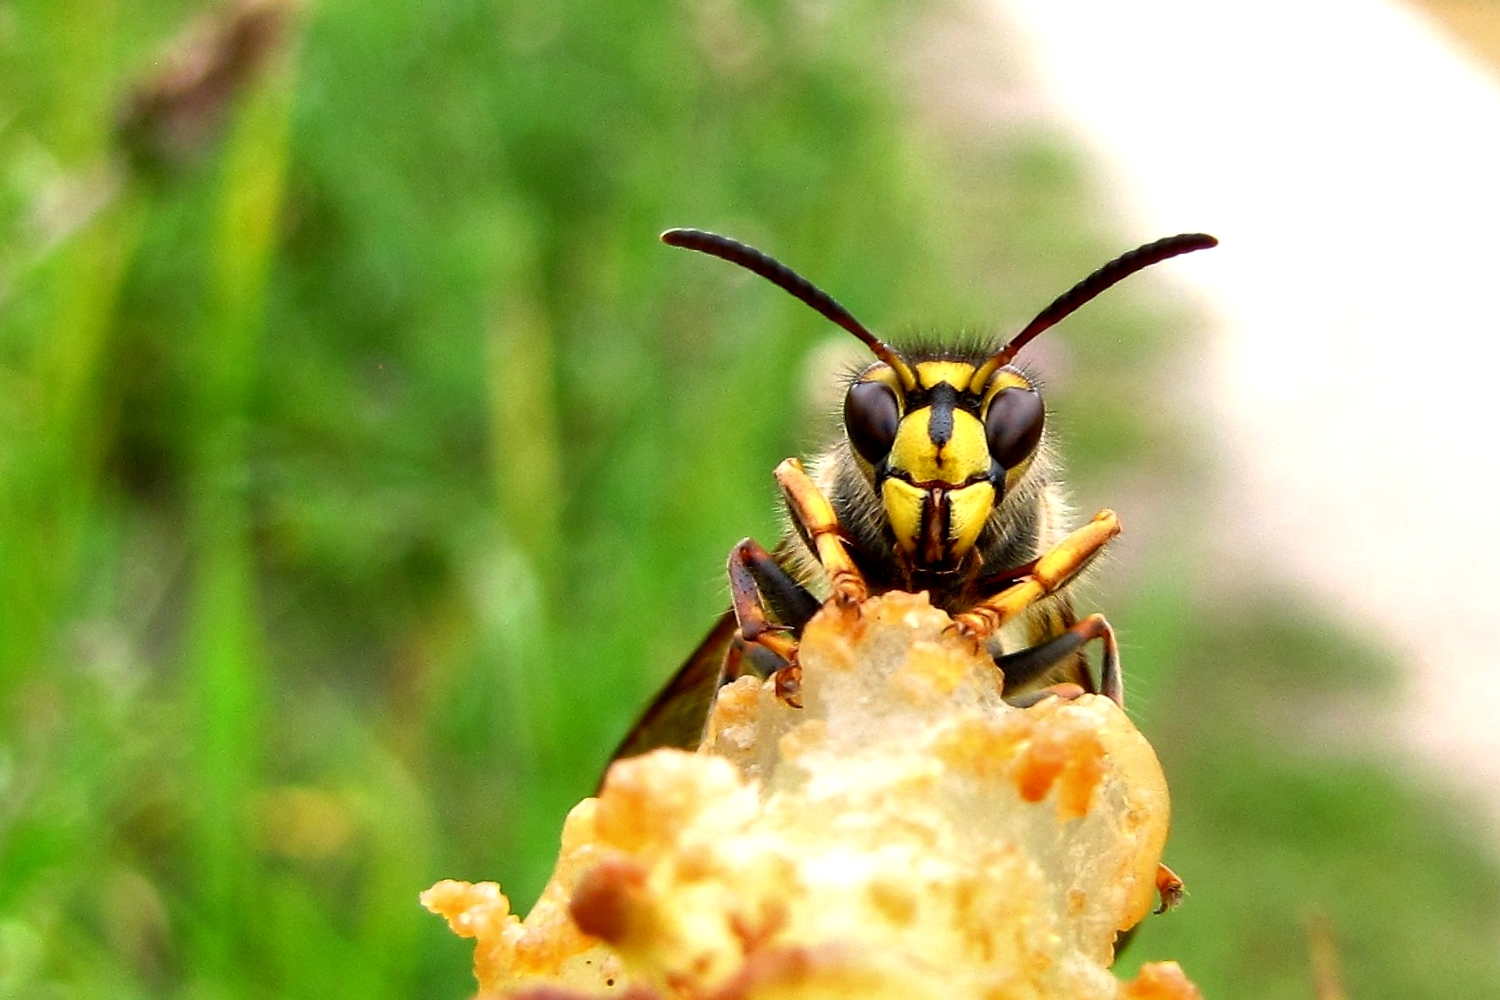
[(1347, 155)]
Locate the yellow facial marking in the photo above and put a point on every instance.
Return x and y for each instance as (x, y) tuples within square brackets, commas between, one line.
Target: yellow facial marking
[(955, 373), (903, 507), (884, 373), (965, 456), (937, 496), (967, 512), (1006, 378), (1014, 476), (971, 508)]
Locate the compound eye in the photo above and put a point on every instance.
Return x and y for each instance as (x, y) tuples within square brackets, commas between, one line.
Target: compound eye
[(871, 416), (1013, 425)]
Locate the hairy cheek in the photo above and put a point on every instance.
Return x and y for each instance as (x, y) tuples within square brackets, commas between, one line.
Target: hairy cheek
[(1014, 476)]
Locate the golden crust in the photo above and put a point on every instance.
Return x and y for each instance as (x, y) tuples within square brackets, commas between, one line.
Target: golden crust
[(905, 834)]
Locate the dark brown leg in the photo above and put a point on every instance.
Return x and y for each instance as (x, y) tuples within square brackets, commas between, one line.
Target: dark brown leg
[(754, 571), (1020, 668), (756, 580)]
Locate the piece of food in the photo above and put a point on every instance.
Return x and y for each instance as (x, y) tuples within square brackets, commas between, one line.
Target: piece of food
[(903, 834)]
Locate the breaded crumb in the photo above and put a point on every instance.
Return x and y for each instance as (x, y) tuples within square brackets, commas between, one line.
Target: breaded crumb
[(905, 834)]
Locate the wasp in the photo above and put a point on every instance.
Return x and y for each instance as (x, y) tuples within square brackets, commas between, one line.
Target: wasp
[(944, 480)]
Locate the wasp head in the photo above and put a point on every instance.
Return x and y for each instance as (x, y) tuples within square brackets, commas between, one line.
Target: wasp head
[(942, 453)]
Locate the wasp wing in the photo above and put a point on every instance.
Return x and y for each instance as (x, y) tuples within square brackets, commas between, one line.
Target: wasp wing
[(679, 712)]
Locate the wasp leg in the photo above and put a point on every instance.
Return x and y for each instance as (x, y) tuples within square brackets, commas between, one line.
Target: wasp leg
[(1169, 887), (815, 521), (993, 583), (768, 648), (1052, 572), (756, 627), (754, 571), (1023, 667), (744, 656)]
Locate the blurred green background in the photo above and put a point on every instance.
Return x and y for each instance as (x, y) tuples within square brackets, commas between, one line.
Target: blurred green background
[(365, 463)]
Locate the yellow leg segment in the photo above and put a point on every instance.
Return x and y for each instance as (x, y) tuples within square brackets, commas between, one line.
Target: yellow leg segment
[(814, 519), (1053, 571)]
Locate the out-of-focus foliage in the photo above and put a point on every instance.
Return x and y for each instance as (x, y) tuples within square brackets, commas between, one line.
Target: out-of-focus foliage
[(365, 462)]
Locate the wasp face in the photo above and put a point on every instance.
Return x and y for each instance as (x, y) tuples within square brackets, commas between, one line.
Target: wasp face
[(942, 454)]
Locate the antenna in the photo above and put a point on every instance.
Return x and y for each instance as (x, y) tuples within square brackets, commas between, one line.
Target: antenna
[(1068, 302), (790, 281)]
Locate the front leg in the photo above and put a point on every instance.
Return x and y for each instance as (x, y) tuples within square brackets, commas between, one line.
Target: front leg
[(756, 580), (1050, 574), (817, 524)]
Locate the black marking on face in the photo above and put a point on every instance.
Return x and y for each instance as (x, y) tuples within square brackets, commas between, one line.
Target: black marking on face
[(942, 398), (936, 511)]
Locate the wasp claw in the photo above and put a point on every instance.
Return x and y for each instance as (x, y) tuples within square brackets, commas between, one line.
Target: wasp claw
[(788, 681), (966, 630), (849, 590), (1169, 887)]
